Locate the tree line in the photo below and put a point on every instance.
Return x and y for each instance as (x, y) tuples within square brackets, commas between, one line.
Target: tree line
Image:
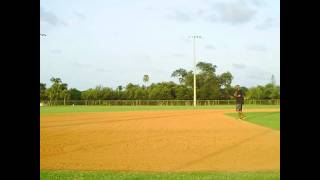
[(209, 86)]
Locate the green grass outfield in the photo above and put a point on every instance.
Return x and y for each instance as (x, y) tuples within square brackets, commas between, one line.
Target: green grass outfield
[(95, 175), (267, 119), (68, 109)]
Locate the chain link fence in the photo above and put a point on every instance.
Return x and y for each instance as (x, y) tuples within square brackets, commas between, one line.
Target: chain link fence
[(156, 102)]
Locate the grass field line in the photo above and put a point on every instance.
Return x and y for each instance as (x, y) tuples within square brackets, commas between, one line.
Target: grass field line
[(251, 124), (71, 109), (265, 115), (121, 175), (253, 120)]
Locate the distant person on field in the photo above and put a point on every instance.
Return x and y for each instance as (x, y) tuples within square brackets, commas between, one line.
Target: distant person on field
[(238, 94)]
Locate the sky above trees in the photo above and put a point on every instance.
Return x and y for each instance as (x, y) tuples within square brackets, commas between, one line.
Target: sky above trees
[(112, 43)]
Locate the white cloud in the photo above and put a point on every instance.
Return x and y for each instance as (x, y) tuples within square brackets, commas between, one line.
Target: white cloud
[(238, 66), (178, 55), (236, 12), (210, 47), (260, 75), (56, 51), (231, 12), (256, 47), (81, 65), (50, 18), (81, 16), (268, 23), (179, 16), (259, 3), (101, 70)]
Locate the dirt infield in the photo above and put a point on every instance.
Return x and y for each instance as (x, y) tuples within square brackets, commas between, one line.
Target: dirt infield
[(182, 140)]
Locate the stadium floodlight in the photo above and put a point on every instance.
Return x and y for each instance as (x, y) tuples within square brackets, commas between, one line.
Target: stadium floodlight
[(194, 69)]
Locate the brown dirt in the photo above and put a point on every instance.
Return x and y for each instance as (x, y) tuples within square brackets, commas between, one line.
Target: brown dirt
[(182, 140)]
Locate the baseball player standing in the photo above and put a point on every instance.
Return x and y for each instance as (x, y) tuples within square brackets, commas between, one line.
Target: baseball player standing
[(238, 94)]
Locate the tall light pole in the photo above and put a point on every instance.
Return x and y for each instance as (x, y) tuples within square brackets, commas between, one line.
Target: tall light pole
[(194, 69)]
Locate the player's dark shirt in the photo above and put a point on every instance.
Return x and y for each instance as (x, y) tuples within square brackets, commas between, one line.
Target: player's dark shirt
[(239, 100)]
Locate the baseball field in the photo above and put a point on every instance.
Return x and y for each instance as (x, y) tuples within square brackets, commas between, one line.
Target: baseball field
[(159, 142)]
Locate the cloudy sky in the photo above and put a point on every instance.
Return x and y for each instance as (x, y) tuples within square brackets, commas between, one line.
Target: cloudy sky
[(112, 42)]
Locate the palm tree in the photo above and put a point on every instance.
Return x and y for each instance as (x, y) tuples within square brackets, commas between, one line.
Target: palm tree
[(145, 79), (55, 80), (119, 88)]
